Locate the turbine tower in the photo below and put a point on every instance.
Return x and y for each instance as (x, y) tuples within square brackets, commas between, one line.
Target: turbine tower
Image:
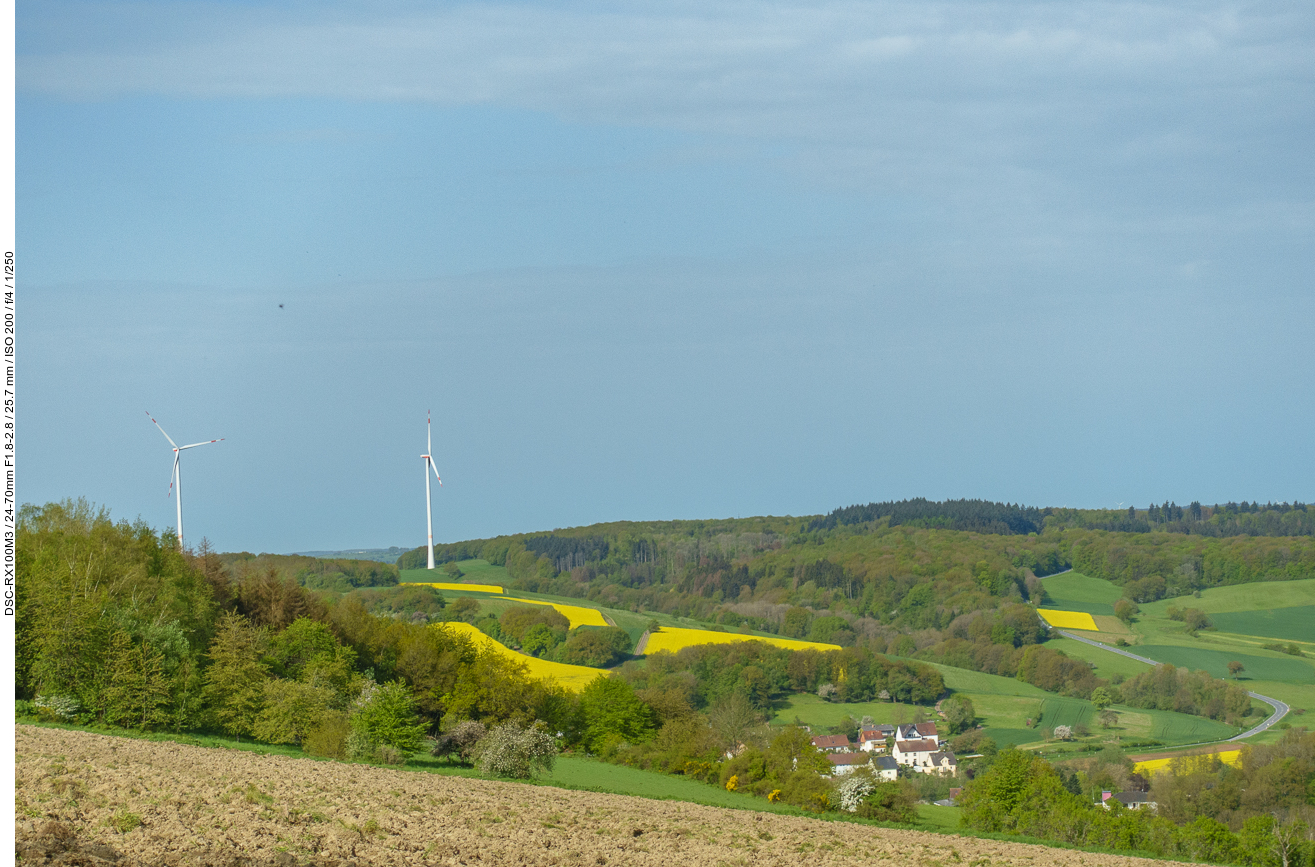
[(176, 477), (429, 465)]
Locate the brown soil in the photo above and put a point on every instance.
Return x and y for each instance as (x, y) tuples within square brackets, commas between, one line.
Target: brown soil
[(86, 799)]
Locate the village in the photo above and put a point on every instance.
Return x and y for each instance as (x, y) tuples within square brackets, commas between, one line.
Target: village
[(916, 746)]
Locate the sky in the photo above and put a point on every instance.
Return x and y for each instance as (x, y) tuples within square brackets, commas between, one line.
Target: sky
[(659, 260)]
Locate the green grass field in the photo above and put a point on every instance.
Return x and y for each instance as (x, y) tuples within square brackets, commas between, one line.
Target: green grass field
[(946, 818), (1258, 596), (1073, 591), (813, 711), (1215, 662), (1295, 623)]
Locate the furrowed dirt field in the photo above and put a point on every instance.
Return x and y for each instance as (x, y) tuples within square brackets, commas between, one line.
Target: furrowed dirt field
[(86, 799)]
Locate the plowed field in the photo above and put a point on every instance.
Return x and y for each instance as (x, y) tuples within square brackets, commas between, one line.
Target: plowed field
[(91, 799)]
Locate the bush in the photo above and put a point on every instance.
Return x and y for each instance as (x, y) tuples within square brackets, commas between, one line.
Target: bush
[(328, 738), (385, 716), (459, 741), (57, 708), (517, 751)]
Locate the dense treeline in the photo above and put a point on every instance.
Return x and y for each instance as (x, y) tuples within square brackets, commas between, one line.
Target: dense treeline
[(1155, 565), (1177, 689), (313, 572), (1230, 519), (980, 516), (1258, 814)]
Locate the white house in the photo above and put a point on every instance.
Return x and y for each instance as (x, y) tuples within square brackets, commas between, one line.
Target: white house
[(1131, 800), (913, 752), (847, 763), (917, 732), (885, 767), (872, 740)]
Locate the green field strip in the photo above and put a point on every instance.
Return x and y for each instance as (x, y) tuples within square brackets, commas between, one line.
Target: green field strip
[(1215, 662), (1005, 737), (1296, 623), (1257, 596)]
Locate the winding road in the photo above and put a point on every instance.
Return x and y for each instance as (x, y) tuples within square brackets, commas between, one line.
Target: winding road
[(1280, 708)]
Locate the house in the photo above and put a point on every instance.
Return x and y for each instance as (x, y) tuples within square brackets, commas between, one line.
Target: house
[(847, 763), (873, 740), (917, 732), (885, 768), (1131, 800), (833, 744), (913, 752), (942, 762)]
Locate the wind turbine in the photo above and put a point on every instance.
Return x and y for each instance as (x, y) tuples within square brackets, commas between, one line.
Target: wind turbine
[(176, 477), (429, 465)]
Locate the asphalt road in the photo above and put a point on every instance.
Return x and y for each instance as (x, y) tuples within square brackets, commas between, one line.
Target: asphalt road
[(1280, 708)]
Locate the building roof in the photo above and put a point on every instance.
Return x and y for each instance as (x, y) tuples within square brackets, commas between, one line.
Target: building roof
[(874, 734), (885, 763), (926, 729), (831, 742), (925, 745), (1127, 799), (848, 758), (944, 755)]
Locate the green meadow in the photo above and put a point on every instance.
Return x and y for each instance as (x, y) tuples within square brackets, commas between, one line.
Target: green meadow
[(1275, 668), (1073, 591), (1295, 623)]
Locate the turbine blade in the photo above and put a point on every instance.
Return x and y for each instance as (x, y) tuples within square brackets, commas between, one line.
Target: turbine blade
[(429, 432), (430, 461), (157, 424), (206, 443), (173, 474)]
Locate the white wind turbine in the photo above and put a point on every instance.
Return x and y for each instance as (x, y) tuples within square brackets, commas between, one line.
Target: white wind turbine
[(176, 477), (429, 465)]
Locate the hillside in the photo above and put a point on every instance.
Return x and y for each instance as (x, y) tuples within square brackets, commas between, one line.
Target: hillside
[(162, 803)]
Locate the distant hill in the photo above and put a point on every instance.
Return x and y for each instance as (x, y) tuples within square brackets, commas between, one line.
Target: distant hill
[(379, 555)]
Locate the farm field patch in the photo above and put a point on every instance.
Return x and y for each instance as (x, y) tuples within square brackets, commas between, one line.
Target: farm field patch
[(1215, 662), (1073, 591), (573, 677), (464, 588), (1152, 766), (675, 638), (1257, 596), (1296, 623), (813, 711), (1068, 619), (221, 806)]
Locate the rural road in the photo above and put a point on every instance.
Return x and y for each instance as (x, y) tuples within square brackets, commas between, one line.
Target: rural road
[(1280, 708)]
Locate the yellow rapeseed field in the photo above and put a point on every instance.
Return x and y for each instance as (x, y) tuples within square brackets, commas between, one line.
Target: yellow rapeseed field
[(1068, 619), (573, 677), (476, 588), (579, 616), (673, 638), (1151, 766)]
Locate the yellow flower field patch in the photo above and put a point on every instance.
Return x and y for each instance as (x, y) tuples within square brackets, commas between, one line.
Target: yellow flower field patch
[(573, 677), (578, 615), (1152, 766), (674, 638), (473, 588), (1068, 619)]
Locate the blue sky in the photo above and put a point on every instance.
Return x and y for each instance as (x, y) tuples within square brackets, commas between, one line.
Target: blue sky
[(660, 260)]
